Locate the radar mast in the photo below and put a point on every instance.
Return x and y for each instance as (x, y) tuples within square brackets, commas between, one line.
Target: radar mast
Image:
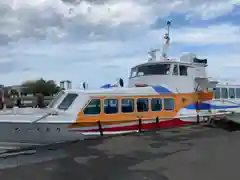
[(167, 41), (163, 54)]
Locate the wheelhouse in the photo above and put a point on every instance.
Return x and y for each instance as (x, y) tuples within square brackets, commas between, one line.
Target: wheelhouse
[(68, 101), (161, 68)]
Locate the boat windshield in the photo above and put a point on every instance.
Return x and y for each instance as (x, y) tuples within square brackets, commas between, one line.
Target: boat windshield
[(151, 69), (56, 99), (67, 101)]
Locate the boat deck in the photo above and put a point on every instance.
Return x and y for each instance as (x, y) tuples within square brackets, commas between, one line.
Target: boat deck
[(194, 152)]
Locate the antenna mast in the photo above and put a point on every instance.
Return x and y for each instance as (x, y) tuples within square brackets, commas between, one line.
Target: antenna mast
[(167, 40)]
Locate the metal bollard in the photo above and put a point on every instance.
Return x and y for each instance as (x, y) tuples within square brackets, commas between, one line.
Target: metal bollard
[(100, 128)]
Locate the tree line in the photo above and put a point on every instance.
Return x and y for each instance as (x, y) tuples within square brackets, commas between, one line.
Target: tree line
[(40, 86)]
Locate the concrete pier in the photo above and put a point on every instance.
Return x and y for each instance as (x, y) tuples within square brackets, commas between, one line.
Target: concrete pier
[(188, 153)]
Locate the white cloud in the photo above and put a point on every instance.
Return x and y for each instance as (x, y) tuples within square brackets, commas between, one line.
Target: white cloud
[(224, 65), (94, 61), (214, 34), (101, 40), (39, 18), (212, 9), (113, 13)]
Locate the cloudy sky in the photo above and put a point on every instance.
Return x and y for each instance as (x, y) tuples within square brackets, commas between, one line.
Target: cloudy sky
[(99, 40)]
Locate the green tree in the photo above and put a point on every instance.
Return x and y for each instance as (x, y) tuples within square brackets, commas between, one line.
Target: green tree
[(47, 88)]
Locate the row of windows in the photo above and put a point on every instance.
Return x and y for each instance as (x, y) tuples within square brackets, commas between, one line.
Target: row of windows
[(159, 69), (111, 106), (180, 70), (226, 93)]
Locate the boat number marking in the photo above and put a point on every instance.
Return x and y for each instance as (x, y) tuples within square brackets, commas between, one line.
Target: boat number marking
[(36, 129)]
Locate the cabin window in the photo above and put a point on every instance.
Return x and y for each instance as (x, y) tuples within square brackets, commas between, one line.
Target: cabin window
[(127, 105), (110, 106), (94, 107), (140, 73), (67, 101), (175, 70), (153, 69), (168, 104), (237, 92), (133, 72), (232, 93), (142, 105), (217, 93), (183, 70), (156, 104), (224, 93)]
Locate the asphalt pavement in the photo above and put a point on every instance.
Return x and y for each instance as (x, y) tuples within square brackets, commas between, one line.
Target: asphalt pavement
[(188, 153)]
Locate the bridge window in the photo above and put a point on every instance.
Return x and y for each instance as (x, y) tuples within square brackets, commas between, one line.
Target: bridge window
[(56, 99), (134, 72), (232, 93), (153, 69), (237, 92), (217, 93), (183, 70), (67, 101), (156, 104), (175, 70), (110, 106), (94, 107), (168, 104), (127, 105), (142, 105), (224, 93)]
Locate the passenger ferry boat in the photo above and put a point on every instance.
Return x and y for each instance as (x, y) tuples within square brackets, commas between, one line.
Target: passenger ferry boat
[(161, 93)]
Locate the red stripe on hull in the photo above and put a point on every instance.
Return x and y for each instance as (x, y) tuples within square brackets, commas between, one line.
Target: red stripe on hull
[(161, 124)]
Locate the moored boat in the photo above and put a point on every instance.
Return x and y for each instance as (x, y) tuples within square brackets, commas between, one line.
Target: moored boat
[(161, 93)]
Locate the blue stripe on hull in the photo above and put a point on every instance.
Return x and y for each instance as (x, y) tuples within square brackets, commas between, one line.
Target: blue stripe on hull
[(162, 90), (206, 106)]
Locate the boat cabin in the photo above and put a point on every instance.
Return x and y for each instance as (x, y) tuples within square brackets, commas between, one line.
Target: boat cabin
[(69, 101), (183, 76), (226, 91), (121, 103), (124, 102)]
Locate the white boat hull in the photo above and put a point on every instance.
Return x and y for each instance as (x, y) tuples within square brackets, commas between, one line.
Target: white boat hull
[(18, 135), (29, 129)]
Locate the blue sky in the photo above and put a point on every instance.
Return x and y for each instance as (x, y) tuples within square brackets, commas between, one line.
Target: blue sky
[(99, 41)]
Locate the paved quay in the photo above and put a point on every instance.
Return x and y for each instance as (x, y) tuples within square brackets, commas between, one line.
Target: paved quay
[(188, 153)]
